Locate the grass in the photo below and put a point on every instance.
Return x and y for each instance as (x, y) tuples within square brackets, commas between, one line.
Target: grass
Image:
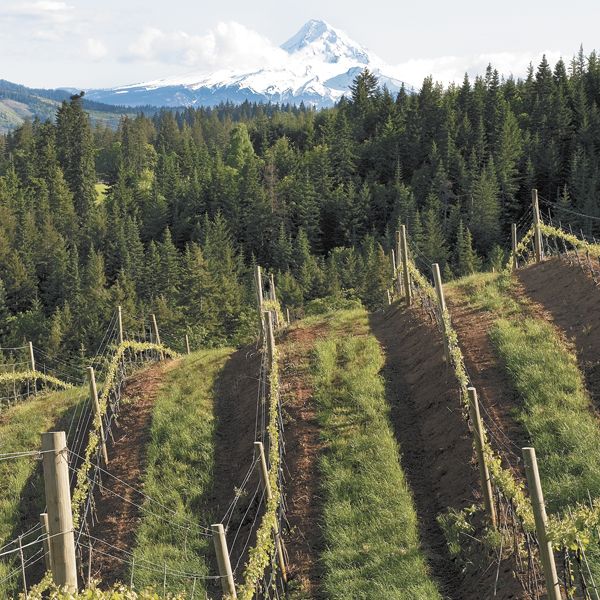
[(370, 524), (22, 490), (555, 408), (179, 473)]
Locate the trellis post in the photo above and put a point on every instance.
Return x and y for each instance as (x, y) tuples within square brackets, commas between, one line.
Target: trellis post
[(223, 562), (46, 541), (60, 515), (539, 513), (96, 405), (439, 290), (484, 474), (515, 260), (537, 231), (259, 298), (157, 335), (264, 477), (120, 324), (187, 343), (32, 365), (404, 249)]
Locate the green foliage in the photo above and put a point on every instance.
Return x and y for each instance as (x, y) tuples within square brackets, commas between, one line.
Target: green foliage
[(20, 429), (328, 304), (370, 525)]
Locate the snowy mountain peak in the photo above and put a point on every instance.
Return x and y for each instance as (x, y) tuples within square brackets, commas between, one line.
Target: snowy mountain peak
[(317, 39), (316, 66)]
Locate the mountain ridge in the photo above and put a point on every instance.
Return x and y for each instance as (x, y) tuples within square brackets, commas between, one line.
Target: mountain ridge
[(319, 66)]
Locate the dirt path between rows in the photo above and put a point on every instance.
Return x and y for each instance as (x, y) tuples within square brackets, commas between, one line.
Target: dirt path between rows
[(571, 301), (436, 449), (235, 405), (117, 516), (495, 390), (303, 447)]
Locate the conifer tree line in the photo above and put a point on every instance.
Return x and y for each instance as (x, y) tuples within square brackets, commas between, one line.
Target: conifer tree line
[(195, 198)]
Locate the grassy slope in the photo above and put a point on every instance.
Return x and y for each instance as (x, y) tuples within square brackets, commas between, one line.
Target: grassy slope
[(370, 525), (20, 428), (555, 408), (179, 473)]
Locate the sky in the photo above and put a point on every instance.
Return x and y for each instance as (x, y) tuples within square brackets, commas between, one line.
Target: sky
[(86, 43)]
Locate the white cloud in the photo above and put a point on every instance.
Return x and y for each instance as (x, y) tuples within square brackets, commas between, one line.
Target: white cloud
[(96, 49), (44, 10), (447, 69), (227, 45)]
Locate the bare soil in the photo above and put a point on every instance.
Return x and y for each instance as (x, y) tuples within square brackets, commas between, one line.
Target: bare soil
[(303, 447), (117, 514), (436, 449)]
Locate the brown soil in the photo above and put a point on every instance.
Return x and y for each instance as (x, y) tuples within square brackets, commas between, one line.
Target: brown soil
[(495, 390), (303, 445), (436, 448), (236, 395), (571, 300), (117, 520)]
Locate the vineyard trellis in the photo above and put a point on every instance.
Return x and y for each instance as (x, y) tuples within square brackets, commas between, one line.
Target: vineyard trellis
[(570, 534)]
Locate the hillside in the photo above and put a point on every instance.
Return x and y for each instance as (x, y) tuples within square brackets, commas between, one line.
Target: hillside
[(19, 103)]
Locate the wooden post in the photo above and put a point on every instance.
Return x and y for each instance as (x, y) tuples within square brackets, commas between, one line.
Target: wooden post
[(259, 299), (515, 264), (274, 299), (389, 298), (23, 567), (187, 344), (96, 405), (46, 541), (399, 263), (439, 289), (120, 324), (32, 365), (486, 482), (539, 513), (287, 314), (227, 583), (536, 223), (404, 248), (157, 335), (60, 516), (264, 476), (270, 336)]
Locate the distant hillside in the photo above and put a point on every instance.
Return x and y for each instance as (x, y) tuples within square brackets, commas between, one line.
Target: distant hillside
[(18, 103)]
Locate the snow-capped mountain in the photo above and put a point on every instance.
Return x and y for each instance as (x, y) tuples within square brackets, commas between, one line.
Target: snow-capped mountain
[(316, 67)]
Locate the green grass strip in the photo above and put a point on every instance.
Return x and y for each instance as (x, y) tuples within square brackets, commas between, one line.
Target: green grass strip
[(180, 463), (370, 524), (20, 428)]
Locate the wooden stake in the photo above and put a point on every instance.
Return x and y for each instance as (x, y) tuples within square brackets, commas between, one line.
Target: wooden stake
[(96, 405), (404, 248), (515, 264), (484, 475), (287, 314), (264, 477), (259, 299), (60, 515), (227, 583), (187, 343), (270, 336), (23, 567), (539, 513), (120, 324), (439, 289), (389, 298), (32, 364), (536, 223), (157, 335), (46, 541), (399, 256)]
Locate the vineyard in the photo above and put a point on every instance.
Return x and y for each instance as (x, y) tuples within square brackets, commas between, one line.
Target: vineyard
[(446, 446)]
